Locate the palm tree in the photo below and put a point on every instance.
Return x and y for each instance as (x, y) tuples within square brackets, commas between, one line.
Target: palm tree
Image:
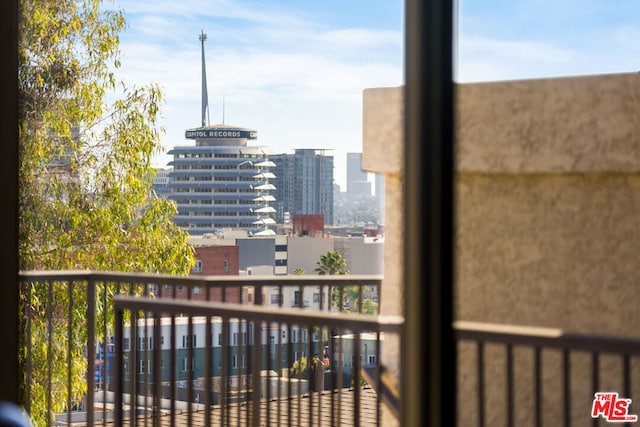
[(332, 263)]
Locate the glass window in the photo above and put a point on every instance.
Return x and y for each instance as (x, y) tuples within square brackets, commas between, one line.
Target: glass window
[(197, 268)]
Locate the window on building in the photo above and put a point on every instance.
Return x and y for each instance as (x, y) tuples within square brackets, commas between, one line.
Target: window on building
[(185, 364), (189, 341), (145, 343), (239, 338), (276, 299), (296, 298)]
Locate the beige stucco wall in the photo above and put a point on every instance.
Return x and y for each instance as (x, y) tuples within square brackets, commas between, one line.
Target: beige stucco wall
[(550, 250), (547, 219), (547, 198), (382, 152)]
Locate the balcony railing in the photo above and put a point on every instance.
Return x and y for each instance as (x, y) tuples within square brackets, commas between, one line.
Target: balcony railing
[(69, 332), (515, 375), (158, 350), (250, 369)]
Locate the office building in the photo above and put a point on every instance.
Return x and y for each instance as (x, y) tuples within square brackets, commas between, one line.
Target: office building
[(355, 175), (221, 182), (304, 183), (161, 183)]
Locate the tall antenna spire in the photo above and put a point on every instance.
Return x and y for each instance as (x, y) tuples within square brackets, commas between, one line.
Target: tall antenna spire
[(205, 96), (223, 109)]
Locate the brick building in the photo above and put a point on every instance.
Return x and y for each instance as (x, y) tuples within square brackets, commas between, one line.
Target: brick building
[(214, 258)]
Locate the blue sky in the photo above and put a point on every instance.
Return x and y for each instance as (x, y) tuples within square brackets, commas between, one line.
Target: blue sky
[(295, 70)]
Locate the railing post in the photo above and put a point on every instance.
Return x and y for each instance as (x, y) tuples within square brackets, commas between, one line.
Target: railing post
[(29, 363), (49, 349), (118, 367), (91, 348), (481, 398), (69, 348), (537, 385), (255, 374), (157, 367), (566, 387), (510, 386)]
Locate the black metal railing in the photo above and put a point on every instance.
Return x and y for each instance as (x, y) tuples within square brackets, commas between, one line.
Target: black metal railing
[(68, 331), (246, 365), (515, 375), (507, 375)]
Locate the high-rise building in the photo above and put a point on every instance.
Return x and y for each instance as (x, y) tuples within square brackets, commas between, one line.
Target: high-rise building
[(304, 183), (222, 182), (355, 175), (161, 183)]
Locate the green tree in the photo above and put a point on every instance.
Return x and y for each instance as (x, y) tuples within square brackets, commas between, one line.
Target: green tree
[(332, 263), (369, 306), (85, 174)]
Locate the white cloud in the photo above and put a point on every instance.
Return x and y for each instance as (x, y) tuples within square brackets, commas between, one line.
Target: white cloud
[(297, 82)]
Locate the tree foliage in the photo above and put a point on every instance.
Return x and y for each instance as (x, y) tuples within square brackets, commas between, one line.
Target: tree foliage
[(85, 175), (85, 165), (332, 263)]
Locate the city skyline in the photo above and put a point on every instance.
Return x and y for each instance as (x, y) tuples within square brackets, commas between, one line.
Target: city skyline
[(295, 71)]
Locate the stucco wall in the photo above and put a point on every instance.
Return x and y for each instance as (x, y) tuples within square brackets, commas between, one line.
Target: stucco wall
[(547, 198), (304, 252), (547, 222), (550, 250), (256, 251), (547, 179)]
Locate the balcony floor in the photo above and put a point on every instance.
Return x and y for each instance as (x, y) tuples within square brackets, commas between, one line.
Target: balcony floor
[(283, 411)]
